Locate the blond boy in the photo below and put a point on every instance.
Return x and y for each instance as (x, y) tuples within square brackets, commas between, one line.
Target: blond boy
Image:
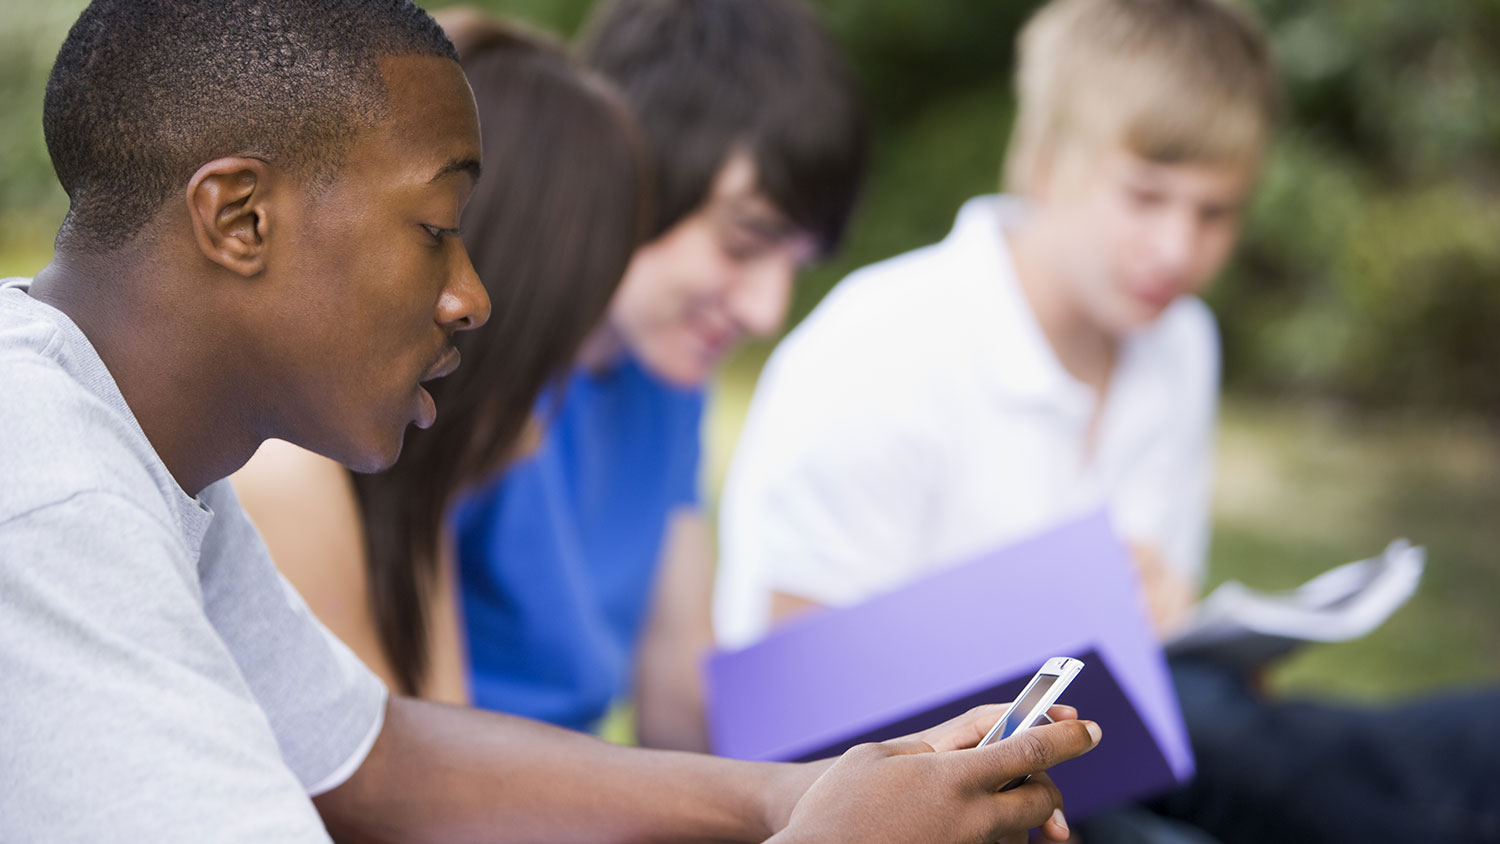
[(1047, 358)]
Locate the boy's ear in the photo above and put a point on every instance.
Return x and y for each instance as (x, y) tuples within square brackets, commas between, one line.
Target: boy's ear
[(227, 200), (1039, 177), (1063, 169)]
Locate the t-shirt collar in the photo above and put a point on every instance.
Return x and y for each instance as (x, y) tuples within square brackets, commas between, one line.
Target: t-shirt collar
[(79, 358)]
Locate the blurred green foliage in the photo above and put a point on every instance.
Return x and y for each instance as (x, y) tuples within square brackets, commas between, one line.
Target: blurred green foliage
[(1371, 263), (31, 203), (1370, 269)]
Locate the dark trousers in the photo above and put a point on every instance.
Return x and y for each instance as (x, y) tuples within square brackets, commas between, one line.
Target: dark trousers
[(1425, 771)]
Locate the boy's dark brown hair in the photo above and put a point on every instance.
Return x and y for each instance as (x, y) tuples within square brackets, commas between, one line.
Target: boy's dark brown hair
[(708, 77)]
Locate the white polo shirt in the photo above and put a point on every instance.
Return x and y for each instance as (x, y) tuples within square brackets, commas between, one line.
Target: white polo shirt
[(919, 417)]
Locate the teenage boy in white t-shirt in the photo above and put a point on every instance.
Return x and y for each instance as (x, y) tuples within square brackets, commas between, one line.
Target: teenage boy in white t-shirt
[(1045, 359)]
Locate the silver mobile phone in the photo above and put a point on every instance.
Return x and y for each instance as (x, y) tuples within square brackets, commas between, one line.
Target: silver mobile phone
[(1031, 705)]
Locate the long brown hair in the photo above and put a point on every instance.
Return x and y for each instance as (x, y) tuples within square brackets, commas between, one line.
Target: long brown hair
[(550, 226)]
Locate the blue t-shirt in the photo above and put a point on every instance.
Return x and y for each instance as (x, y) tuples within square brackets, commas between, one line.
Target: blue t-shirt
[(558, 556)]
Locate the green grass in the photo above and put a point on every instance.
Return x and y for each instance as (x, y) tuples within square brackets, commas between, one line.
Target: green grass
[(1304, 487), (1301, 488)]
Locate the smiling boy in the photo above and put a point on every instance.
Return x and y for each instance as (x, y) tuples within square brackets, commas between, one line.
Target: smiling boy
[(595, 550), (261, 243)]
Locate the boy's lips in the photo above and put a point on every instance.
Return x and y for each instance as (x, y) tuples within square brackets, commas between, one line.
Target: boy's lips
[(443, 366), (1155, 296), (715, 343), (426, 409)]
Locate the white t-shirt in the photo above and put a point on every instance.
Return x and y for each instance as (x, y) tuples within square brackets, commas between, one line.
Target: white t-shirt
[(159, 680), (919, 417)]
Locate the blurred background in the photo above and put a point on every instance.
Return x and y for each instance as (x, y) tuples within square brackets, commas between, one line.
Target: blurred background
[(1361, 317)]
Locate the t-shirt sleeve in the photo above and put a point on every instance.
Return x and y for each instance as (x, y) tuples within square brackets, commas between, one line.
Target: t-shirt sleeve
[(122, 715), (325, 706)]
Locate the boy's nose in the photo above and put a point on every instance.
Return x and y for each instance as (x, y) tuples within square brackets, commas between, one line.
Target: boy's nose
[(1175, 242), (758, 302), (464, 303)]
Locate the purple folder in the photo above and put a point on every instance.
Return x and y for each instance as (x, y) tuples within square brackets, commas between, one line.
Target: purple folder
[(969, 634)]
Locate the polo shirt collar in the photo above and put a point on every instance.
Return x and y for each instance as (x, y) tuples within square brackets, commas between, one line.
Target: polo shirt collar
[(1010, 340)]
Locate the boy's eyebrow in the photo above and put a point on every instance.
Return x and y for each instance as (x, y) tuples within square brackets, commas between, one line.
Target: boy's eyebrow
[(458, 165), (772, 226)]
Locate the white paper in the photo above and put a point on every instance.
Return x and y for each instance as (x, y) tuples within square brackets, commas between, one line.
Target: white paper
[(1241, 625)]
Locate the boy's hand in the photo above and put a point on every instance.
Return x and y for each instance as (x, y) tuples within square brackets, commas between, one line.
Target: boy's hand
[(1169, 596), (904, 790)]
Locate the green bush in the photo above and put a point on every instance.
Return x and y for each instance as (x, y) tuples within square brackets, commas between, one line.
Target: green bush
[(1371, 263), (1369, 271), (31, 203)]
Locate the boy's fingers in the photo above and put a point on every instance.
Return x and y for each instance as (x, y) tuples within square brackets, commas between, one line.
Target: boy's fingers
[(971, 727), (903, 746), (1056, 827), (1028, 806), (1034, 750), (1062, 712), (964, 731)]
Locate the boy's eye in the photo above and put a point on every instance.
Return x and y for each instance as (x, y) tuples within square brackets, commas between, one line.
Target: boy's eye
[(438, 233), (741, 243), (741, 248), (1216, 214), (1145, 197)]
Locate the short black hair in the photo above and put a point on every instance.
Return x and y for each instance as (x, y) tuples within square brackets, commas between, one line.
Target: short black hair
[(705, 77), (146, 91)]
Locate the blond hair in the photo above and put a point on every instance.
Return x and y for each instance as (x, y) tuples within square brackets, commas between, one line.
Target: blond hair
[(1172, 80)]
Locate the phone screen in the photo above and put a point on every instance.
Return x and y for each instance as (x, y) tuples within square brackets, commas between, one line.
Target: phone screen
[(1028, 700)]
